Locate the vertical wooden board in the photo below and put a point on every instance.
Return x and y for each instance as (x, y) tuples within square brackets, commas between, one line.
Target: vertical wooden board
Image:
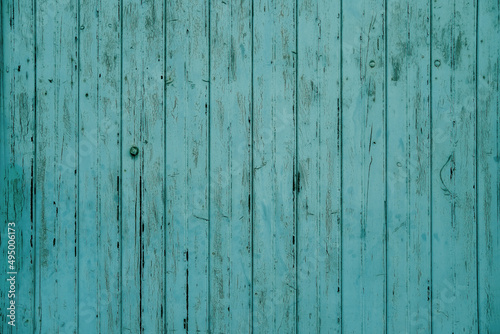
[(408, 164), (5, 78), (488, 167), (4, 152), (363, 167), (131, 178), (187, 145), (17, 162), (3, 166), (21, 188), (109, 134), (88, 153), (143, 174), (56, 300), (398, 167), (319, 161), (99, 165), (274, 145), (230, 166), (454, 281), (152, 141)]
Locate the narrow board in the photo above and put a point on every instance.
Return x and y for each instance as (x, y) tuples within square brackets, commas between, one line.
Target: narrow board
[(488, 165), (408, 167), (230, 166), (454, 215), (17, 85), (143, 167), (319, 167), (187, 166), (99, 166), (363, 166), (274, 166), (57, 175)]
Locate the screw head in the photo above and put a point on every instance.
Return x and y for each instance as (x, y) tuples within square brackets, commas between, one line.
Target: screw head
[(134, 150), (372, 63), (437, 62)]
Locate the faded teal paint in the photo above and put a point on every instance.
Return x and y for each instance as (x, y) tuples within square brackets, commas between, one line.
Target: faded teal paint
[(302, 166)]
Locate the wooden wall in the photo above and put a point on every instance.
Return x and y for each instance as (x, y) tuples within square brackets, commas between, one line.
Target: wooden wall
[(303, 166)]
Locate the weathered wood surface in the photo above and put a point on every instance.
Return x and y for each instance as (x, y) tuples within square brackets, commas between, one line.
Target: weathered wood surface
[(17, 157), (187, 166), (488, 164), (303, 166), (99, 152), (274, 166), (319, 147), (408, 167), (453, 161), (57, 172)]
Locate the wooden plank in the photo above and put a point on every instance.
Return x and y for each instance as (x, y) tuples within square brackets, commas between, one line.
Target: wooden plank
[(4, 93), (56, 300), (454, 281), (99, 165), (488, 167), (319, 156), (363, 167), (187, 166), (274, 159), (408, 164), (143, 125), (18, 161), (4, 152), (230, 166), (131, 179), (5, 148)]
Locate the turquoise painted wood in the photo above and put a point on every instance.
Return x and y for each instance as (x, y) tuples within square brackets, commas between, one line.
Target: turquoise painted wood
[(308, 166), (319, 251), (364, 172), (409, 168), (56, 173)]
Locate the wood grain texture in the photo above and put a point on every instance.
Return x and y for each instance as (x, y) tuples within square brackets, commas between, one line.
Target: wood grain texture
[(143, 126), (56, 298), (4, 94), (408, 167), (453, 79), (319, 159), (488, 165), (99, 165), (274, 167), (303, 166), (363, 167), (17, 157), (187, 166), (230, 167)]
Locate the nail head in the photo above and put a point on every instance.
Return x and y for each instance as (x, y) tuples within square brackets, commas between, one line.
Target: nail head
[(134, 150)]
